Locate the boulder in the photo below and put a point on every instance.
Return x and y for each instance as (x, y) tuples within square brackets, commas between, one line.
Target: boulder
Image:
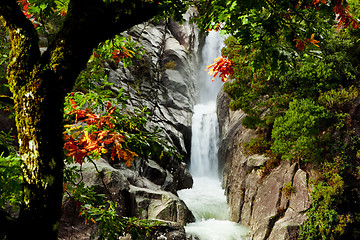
[(136, 196), (169, 231), (160, 205)]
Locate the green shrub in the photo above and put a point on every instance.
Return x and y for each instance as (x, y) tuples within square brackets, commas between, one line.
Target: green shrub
[(297, 135), (7, 143), (113, 226), (10, 181), (326, 219), (269, 165), (253, 122)]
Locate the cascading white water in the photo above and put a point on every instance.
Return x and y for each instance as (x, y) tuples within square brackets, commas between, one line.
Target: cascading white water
[(206, 199), (204, 146)]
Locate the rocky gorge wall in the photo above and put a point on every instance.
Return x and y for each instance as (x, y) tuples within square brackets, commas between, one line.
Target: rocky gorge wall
[(165, 81), (257, 201)]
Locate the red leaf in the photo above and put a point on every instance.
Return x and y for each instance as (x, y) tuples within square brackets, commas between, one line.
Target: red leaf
[(223, 66)]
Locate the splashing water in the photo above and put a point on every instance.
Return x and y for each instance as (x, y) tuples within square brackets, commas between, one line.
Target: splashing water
[(216, 230)]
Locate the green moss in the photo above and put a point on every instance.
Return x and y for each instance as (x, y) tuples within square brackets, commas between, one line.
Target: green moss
[(57, 58)]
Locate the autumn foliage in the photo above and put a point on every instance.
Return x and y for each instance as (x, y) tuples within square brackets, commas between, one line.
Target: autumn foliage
[(97, 138), (222, 66), (342, 11), (25, 6), (122, 53), (344, 17)]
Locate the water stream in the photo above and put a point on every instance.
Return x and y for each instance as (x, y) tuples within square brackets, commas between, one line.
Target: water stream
[(206, 199)]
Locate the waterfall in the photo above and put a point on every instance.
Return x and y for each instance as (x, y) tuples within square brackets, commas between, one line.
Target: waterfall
[(204, 146), (206, 199)]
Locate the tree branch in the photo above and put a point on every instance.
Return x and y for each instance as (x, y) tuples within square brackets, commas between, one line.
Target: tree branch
[(15, 19), (24, 41), (123, 16), (6, 99), (89, 22)]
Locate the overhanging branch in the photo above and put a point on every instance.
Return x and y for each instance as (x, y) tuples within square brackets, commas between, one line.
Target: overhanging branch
[(89, 22), (123, 16)]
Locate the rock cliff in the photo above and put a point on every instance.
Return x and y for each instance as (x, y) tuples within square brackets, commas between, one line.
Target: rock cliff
[(164, 81), (273, 206)]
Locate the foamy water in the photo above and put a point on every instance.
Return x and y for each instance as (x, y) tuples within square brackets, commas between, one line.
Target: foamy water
[(206, 199)]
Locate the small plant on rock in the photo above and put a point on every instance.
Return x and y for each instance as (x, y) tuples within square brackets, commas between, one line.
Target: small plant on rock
[(288, 189)]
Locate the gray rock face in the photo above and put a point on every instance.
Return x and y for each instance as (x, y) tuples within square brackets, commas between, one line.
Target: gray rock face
[(165, 80), (263, 203), (160, 205)]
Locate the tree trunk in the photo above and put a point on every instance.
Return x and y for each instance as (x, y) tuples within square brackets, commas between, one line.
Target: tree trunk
[(38, 100), (39, 84), (39, 125)]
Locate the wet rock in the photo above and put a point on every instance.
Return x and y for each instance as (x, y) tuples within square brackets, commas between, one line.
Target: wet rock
[(300, 200), (165, 79), (144, 200), (265, 209), (287, 227)]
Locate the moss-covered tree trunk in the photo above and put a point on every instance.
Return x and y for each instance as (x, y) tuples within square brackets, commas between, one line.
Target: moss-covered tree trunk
[(39, 83), (38, 112), (38, 99)]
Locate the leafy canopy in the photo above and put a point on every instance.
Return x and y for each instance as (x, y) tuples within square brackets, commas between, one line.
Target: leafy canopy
[(281, 30)]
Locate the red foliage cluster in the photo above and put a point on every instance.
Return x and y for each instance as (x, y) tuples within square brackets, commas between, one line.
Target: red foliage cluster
[(343, 17), (122, 53), (317, 1), (223, 66), (81, 143), (62, 12), (25, 5), (216, 28)]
